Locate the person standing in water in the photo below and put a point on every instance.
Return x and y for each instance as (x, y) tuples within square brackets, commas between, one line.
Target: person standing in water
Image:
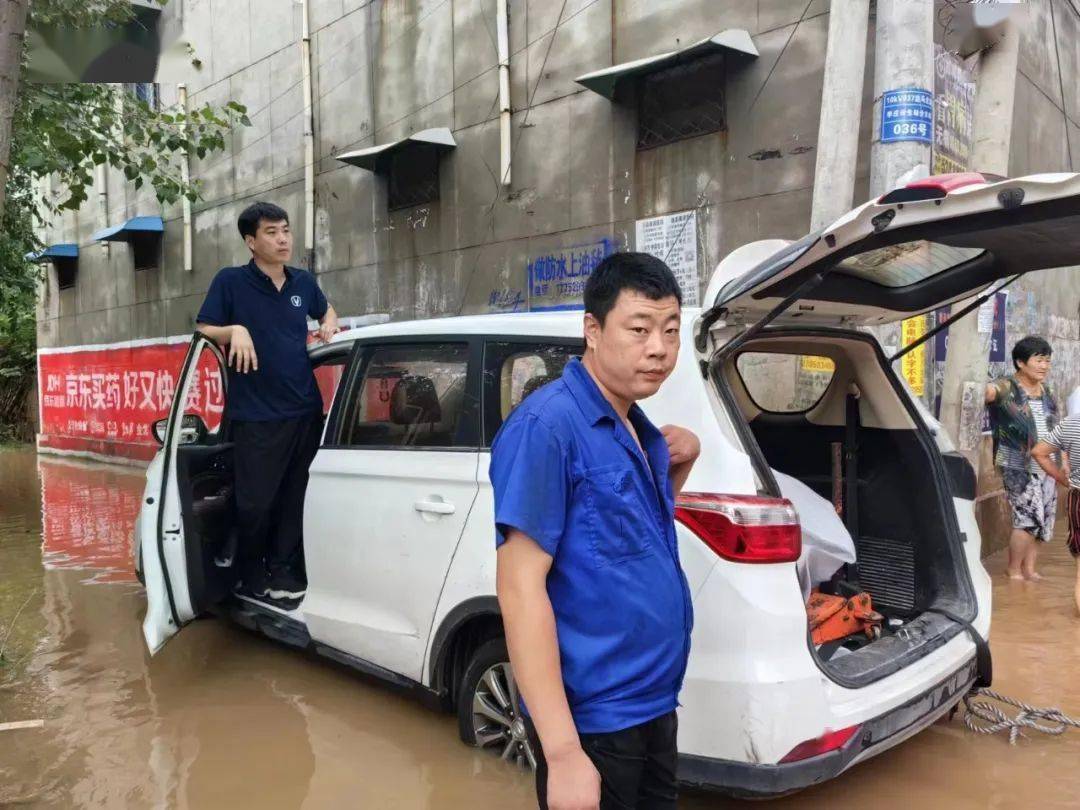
[(1023, 412)]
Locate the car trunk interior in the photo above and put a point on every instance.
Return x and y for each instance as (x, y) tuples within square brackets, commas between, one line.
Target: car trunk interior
[(822, 407)]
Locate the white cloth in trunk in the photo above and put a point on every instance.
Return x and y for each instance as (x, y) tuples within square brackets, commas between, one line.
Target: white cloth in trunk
[(826, 542)]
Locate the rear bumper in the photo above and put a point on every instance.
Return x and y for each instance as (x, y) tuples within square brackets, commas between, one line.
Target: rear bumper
[(751, 780)]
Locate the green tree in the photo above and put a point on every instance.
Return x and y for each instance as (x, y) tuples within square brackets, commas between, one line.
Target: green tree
[(65, 131)]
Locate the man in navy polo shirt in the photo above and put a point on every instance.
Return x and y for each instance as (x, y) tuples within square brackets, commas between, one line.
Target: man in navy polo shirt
[(594, 601), (260, 311)]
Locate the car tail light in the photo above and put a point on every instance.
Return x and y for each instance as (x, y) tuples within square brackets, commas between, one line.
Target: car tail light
[(743, 528), (830, 741), (935, 187)]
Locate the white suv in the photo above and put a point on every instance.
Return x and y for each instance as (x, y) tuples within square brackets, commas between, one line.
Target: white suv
[(790, 397)]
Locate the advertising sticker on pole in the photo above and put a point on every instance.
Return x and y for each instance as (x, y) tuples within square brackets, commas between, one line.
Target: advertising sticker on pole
[(913, 364)]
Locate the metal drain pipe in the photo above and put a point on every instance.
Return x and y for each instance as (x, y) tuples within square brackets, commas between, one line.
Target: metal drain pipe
[(185, 177), (309, 141), (503, 25)]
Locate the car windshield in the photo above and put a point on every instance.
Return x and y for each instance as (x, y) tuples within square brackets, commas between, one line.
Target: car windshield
[(906, 263)]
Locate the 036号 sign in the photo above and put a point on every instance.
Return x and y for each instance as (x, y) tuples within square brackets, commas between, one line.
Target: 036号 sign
[(907, 115)]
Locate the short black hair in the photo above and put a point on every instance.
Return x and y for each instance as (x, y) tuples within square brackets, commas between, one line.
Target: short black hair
[(641, 272), (1028, 347), (248, 222)]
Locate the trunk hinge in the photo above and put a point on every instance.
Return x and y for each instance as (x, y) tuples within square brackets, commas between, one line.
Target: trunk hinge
[(792, 254), (743, 337), (978, 302)]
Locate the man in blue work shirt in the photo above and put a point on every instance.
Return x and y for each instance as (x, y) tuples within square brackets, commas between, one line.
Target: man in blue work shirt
[(594, 601), (260, 311)]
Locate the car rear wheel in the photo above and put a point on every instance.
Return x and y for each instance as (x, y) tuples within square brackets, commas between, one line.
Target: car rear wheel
[(488, 706)]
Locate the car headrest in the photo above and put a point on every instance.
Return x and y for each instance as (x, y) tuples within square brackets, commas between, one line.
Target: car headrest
[(536, 382), (414, 401)]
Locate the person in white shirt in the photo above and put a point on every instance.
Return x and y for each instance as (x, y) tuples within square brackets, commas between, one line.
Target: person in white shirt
[(1065, 438), (1072, 404)]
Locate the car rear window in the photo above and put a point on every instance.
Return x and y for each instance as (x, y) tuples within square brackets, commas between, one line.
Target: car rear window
[(906, 263), (785, 383)]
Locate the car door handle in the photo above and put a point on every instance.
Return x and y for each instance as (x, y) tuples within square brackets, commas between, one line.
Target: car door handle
[(435, 507)]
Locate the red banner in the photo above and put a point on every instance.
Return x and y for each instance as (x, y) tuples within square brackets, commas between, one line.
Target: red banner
[(105, 399)]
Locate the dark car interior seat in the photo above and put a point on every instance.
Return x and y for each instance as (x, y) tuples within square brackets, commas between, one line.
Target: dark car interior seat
[(536, 383), (414, 404)]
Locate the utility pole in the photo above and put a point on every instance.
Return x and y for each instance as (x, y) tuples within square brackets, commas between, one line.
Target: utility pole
[(841, 112), (903, 124), (966, 359), (903, 60)]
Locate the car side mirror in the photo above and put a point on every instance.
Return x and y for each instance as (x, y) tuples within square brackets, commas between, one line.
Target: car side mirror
[(193, 429)]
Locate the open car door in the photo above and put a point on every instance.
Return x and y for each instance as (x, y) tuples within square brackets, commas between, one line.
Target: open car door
[(934, 242), (187, 555)]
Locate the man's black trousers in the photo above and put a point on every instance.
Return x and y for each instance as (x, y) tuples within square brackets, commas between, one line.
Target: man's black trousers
[(271, 461), (637, 765)]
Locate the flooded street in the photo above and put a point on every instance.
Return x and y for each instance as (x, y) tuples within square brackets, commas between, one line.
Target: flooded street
[(224, 718)]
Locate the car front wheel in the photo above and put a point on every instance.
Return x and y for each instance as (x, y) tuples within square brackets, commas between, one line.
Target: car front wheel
[(489, 714)]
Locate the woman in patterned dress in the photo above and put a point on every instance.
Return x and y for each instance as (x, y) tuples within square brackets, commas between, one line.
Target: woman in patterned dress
[(1023, 411)]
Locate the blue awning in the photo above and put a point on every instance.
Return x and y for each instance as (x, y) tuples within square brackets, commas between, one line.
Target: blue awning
[(65, 250), (124, 231)]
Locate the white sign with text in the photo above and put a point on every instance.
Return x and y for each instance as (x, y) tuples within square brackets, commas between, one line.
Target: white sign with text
[(673, 238)]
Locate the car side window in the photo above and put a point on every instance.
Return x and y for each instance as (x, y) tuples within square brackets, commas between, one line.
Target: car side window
[(204, 405), (328, 374), (411, 396), (513, 371)]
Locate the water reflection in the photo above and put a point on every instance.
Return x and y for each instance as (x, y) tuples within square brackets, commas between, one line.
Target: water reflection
[(88, 514), (222, 718)]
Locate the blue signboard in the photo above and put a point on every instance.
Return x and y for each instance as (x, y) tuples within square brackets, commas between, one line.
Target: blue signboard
[(557, 278), (907, 115)]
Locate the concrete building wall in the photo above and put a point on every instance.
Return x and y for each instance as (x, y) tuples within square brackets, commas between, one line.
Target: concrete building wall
[(382, 70), (1045, 138)]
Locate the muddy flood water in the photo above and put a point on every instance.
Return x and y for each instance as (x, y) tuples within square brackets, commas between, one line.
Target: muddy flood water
[(222, 718)]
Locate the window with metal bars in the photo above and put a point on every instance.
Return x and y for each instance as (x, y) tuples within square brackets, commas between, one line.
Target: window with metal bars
[(146, 91), (66, 272), (146, 251), (682, 101), (413, 178)]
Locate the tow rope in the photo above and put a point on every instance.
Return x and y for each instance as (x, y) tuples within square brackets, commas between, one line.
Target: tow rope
[(983, 717)]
